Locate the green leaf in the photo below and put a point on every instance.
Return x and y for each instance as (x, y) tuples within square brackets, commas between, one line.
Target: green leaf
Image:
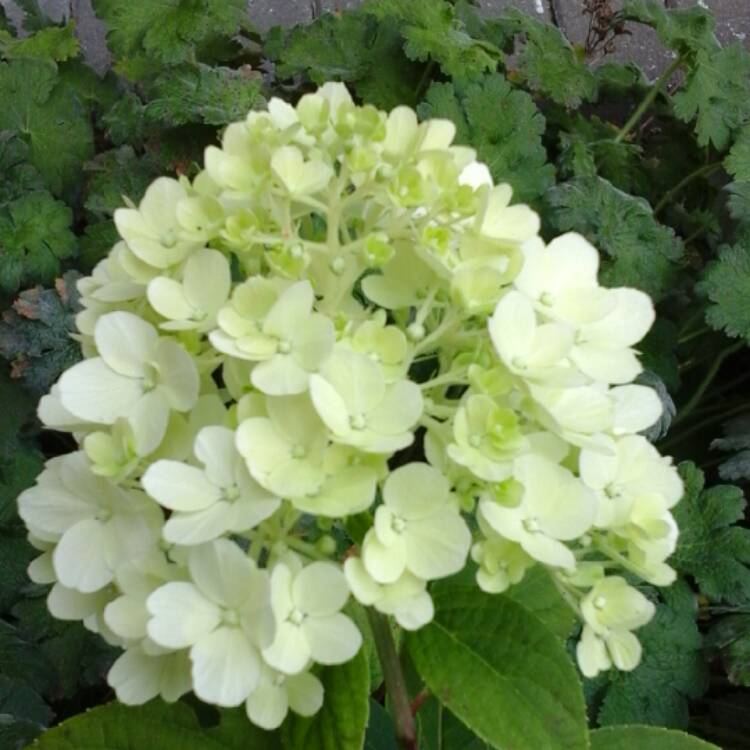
[(35, 236), (50, 119), (672, 670), (56, 43), (353, 47), (737, 162), (35, 334), (537, 593), (433, 30), (381, 733), (502, 124), (736, 440), (658, 352), (726, 283), (500, 671), (638, 250), (548, 63), (645, 738), (715, 95), (201, 93), (730, 637), (710, 548), (684, 30), (342, 722), (144, 36), (19, 176), (175, 727)]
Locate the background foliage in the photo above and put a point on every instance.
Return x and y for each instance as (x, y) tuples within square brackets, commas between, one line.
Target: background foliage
[(656, 174)]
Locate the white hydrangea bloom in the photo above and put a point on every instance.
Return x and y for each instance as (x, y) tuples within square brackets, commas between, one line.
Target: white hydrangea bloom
[(306, 604), (137, 676), (207, 503), (222, 616), (417, 528)]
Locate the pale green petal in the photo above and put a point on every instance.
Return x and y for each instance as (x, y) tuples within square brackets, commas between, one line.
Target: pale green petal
[(384, 564), (180, 615), (606, 365), (333, 639), (135, 677), (512, 327), (320, 589), (290, 311), (68, 604), (312, 340), (280, 376), (91, 391), (345, 493), (289, 652), (168, 298), (127, 617), (81, 557), (207, 280), (415, 490), (414, 613), (591, 654), (148, 420), (305, 693), (226, 667), (625, 650), (196, 528), (636, 407), (177, 375), (627, 323), (125, 342), (356, 378), (364, 588), (224, 574), (267, 705), (179, 486), (214, 448), (399, 410), (330, 405), (437, 546)]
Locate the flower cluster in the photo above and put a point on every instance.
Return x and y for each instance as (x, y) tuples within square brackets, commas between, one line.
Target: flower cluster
[(341, 319)]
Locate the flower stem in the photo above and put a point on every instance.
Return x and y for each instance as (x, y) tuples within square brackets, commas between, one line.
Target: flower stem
[(706, 169), (647, 100), (395, 685)]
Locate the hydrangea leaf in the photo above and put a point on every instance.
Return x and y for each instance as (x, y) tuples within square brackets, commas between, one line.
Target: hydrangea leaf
[(727, 284), (736, 440), (57, 43), (434, 31), (166, 33), (175, 725), (25, 714), (547, 61), (711, 549), (673, 669), (35, 333), (212, 95), (488, 660), (645, 738), (342, 722), (49, 117), (35, 236), (353, 47), (503, 125), (638, 250)]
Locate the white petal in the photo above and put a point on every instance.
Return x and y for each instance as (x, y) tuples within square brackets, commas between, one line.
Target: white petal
[(179, 486), (305, 693), (196, 528), (267, 706), (320, 589), (135, 677), (81, 557), (214, 447), (415, 490), (636, 407), (180, 615), (333, 639), (92, 391), (437, 546), (384, 564), (127, 617), (167, 297), (289, 651), (125, 342), (226, 667), (291, 309), (149, 418), (177, 375), (280, 376), (207, 280)]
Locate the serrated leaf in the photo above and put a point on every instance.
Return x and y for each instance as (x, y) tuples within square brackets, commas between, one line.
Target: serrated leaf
[(353, 47), (433, 30), (500, 671), (730, 638), (342, 721), (175, 725), (737, 162), (710, 548), (672, 669), (736, 439), (714, 94), (19, 176), (547, 61), (502, 124), (645, 738), (202, 93), (658, 353), (726, 283), (144, 36), (35, 334), (35, 236), (56, 43), (49, 117), (638, 251)]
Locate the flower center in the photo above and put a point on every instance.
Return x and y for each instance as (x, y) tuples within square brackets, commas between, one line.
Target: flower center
[(296, 617), (398, 524), (600, 602), (547, 299), (169, 238), (299, 451), (284, 347), (231, 493), (531, 525), (357, 421), (475, 441), (230, 618)]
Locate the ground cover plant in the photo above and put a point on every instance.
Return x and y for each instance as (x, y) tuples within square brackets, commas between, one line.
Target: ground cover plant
[(362, 434)]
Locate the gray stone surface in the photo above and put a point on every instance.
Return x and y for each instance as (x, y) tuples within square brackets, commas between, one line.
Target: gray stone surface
[(732, 22)]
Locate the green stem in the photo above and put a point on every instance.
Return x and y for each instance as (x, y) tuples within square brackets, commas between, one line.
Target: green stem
[(707, 380), (647, 100), (706, 169), (395, 684)]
